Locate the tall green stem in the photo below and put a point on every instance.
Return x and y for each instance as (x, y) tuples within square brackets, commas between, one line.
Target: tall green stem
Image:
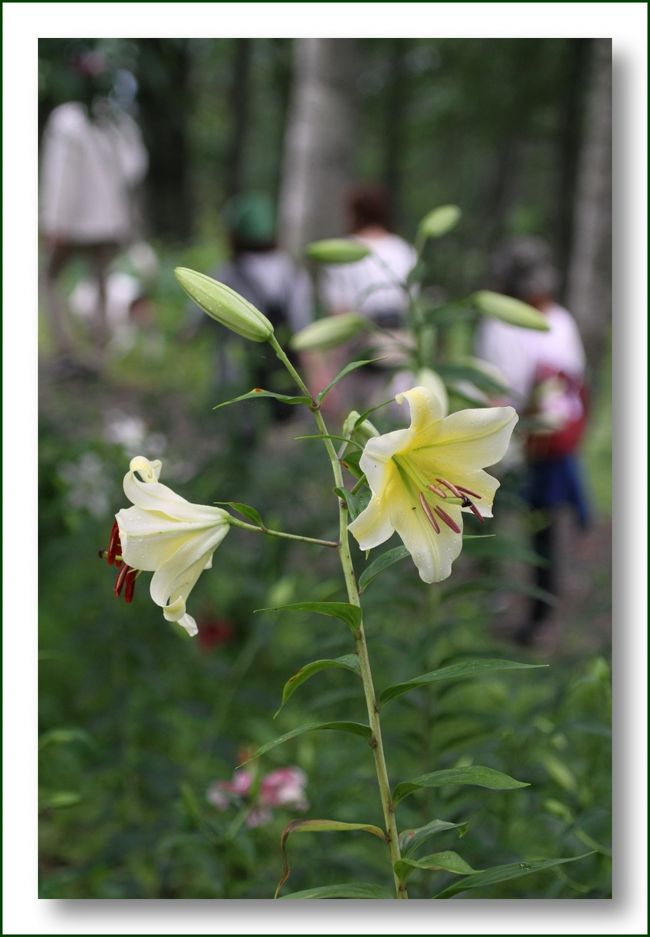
[(345, 558)]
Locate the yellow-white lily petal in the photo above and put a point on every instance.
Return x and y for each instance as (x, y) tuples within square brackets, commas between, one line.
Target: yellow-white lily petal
[(422, 479), (372, 527), (169, 536)]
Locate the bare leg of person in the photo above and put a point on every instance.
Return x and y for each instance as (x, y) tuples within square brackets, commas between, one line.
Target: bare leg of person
[(55, 303)]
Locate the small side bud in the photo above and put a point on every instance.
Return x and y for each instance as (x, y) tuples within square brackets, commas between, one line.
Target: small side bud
[(225, 305), (329, 332), (360, 433), (439, 221), (336, 251), (510, 310)]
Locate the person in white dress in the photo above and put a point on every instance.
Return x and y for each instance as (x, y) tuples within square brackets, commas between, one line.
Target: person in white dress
[(92, 159)]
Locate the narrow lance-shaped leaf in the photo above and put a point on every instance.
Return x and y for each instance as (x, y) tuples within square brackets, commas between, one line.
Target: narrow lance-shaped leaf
[(260, 392), (355, 501), (318, 826), (354, 728), (350, 614), (504, 873), (476, 775), (353, 890), (462, 670), (448, 861), (347, 662), (411, 840), (352, 366), (246, 511), (379, 564)]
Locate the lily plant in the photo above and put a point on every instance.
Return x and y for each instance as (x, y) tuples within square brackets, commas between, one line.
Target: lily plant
[(423, 481)]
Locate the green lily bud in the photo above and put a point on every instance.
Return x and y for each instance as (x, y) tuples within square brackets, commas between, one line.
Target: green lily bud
[(336, 251), (439, 221), (509, 309), (361, 433), (329, 332), (225, 305)]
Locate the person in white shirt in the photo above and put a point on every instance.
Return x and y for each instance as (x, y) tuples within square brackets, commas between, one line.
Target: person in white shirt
[(92, 158), (545, 372), (374, 286)]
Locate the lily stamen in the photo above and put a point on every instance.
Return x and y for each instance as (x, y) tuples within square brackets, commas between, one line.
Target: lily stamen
[(429, 513), (449, 521), (455, 491), (468, 491), (437, 491)]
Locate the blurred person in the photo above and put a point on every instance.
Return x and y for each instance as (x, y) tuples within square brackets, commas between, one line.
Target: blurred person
[(92, 158), (545, 372), (127, 300), (373, 287), (269, 278)]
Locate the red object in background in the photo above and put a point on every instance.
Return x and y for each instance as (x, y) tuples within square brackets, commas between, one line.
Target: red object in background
[(213, 632)]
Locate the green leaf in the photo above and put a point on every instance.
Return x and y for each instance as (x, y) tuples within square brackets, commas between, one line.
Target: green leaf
[(354, 728), (504, 873), (259, 392), (379, 564), (353, 890), (350, 614), (350, 461), (246, 511), (448, 861), (476, 376), (59, 799), (356, 501), (352, 366), (462, 670), (347, 662), (318, 826), (476, 775), (410, 840), (65, 737), (346, 439), (509, 310)]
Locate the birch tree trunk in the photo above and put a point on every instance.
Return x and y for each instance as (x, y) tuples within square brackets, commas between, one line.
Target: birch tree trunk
[(320, 141), (589, 290)]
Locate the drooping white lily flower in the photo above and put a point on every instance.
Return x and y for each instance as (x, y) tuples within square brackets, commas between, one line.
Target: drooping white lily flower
[(167, 535), (424, 477)]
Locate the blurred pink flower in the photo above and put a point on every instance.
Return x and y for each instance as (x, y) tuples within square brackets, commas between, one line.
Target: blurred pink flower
[(284, 787)]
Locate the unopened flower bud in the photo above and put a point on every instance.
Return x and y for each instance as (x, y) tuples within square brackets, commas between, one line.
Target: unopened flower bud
[(360, 433), (439, 221), (509, 309), (329, 332), (225, 305), (336, 251)]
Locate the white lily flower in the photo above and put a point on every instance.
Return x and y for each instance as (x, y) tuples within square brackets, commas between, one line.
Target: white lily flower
[(424, 477), (167, 535)]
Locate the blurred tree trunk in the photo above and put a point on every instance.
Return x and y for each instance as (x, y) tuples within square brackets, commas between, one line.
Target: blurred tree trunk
[(570, 131), (394, 127), (320, 141), (589, 273), (163, 96), (239, 107)]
